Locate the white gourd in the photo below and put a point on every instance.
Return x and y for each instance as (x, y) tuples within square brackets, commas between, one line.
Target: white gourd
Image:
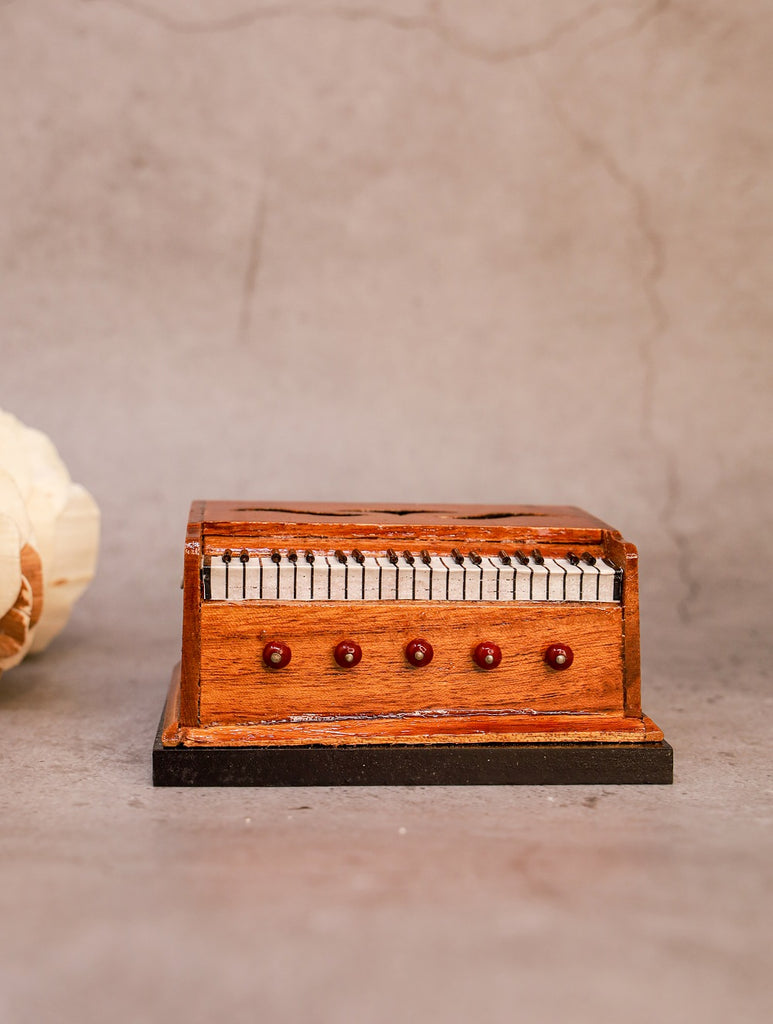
[(49, 537)]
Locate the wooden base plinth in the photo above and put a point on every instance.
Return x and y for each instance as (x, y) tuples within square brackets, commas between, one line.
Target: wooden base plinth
[(436, 764)]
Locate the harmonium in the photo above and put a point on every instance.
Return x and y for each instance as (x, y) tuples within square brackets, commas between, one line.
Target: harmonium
[(329, 644)]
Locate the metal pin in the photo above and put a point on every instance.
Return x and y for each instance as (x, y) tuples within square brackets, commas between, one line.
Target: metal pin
[(572, 558), (457, 556), (504, 558), (276, 556), (426, 557), (537, 556), (408, 557), (475, 558), (341, 557), (358, 556), (392, 556), (588, 558), (227, 556), (522, 558), (244, 556), (310, 556)]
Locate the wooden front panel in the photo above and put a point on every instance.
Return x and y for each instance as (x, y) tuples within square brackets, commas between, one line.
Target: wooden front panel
[(237, 688)]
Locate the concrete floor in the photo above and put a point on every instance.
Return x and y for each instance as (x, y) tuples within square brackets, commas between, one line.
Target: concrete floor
[(126, 903)]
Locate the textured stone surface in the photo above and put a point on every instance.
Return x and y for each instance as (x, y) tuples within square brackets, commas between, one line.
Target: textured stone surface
[(399, 251)]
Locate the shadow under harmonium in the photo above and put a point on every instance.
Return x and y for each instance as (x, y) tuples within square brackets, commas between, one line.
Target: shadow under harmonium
[(354, 645)]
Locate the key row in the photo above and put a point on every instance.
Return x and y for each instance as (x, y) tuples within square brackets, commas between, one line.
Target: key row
[(314, 576), (418, 653)]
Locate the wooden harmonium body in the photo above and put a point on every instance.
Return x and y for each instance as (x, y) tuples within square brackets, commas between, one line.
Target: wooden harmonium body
[(336, 625)]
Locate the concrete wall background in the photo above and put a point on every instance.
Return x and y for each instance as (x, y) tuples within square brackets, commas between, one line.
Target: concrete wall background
[(413, 251)]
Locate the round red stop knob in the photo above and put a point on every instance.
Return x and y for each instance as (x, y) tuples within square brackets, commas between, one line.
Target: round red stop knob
[(276, 654), (487, 655), (419, 652), (559, 656), (347, 654)]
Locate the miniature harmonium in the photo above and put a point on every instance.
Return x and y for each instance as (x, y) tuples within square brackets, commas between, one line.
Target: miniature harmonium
[(334, 643)]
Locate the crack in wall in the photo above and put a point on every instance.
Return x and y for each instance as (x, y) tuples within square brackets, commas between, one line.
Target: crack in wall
[(659, 322), (431, 22), (252, 266), (637, 25)]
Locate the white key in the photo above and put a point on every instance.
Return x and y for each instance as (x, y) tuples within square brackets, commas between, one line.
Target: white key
[(590, 582), (473, 577), (269, 579), (506, 580), (303, 579), (606, 581), (421, 576), (489, 568), (524, 581), (438, 579), (217, 579), (356, 580), (372, 574), (388, 579), (320, 579), (539, 587), (571, 580), (286, 579), (252, 579), (455, 579), (404, 579), (339, 579), (556, 576)]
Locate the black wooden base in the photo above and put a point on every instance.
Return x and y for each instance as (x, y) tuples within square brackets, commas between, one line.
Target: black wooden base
[(464, 764)]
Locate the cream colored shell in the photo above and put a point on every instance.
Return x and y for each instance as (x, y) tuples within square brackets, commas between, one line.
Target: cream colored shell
[(49, 536)]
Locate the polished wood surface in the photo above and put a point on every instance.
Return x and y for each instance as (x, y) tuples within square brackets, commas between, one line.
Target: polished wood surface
[(236, 685), (228, 695)]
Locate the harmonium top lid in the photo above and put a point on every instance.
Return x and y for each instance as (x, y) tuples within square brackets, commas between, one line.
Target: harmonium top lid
[(310, 521)]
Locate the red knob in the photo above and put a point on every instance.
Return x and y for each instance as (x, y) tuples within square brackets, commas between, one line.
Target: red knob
[(487, 655), (559, 656), (419, 652), (347, 654), (276, 654)]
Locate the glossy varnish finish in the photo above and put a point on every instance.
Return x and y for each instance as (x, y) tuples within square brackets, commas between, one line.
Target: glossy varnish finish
[(229, 696)]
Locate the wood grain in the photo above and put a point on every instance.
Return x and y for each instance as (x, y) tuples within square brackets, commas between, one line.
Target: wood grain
[(405, 729), (237, 687), (191, 651), (227, 695)]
